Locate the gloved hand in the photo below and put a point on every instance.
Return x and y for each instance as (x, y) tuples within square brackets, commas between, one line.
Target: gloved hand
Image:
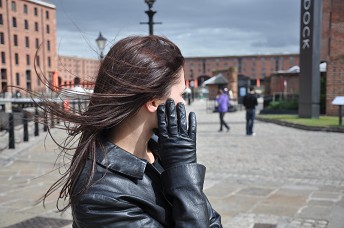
[(177, 143)]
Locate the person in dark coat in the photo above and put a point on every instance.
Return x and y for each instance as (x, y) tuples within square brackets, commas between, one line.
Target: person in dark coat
[(135, 162), (250, 102)]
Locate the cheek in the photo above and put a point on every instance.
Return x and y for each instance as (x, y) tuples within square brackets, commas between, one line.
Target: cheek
[(179, 99), (155, 121)]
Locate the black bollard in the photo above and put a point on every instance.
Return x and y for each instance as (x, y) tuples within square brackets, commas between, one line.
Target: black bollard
[(11, 131), (60, 108), (25, 123), (73, 106), (36, 122), (52, 119), (45, 127)]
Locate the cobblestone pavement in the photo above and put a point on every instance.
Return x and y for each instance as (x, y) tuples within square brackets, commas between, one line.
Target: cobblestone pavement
[(282, 177)]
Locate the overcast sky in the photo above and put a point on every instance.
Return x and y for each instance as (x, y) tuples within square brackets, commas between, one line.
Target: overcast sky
[(198, 27)]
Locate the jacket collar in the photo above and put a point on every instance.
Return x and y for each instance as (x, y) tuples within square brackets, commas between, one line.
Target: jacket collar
[(118, 160)]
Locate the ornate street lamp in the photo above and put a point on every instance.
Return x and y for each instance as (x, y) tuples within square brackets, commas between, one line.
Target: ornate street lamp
[(101, 41), (150, 14)]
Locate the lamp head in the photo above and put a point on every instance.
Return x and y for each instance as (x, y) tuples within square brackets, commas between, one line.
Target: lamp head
[(101, 41), (150, 3)]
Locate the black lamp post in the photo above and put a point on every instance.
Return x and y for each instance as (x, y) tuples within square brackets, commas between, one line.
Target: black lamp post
[(192, 85), (150, 14), (101, 41)]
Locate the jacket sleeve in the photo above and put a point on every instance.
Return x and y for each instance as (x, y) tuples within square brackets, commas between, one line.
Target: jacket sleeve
[(183, 187)]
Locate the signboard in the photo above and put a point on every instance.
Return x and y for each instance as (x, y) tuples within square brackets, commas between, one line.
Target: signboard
[(339, 100), (242, 91)]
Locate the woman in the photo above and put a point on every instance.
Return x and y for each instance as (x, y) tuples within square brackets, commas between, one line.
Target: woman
[(122, 174)]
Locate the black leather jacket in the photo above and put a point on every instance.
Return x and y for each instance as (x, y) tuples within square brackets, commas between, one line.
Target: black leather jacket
[(130, 192)]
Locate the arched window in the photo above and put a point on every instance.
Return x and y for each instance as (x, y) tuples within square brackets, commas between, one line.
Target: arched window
[(14, 6)]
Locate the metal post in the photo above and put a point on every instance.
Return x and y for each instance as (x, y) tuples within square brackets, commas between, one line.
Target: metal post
[(11, 131), (36, 122), (150, 22), (150, 14), (25, 123), (79, 106), (57, 117), (45, 127), (340, 115), (52, 120), (73, 101)]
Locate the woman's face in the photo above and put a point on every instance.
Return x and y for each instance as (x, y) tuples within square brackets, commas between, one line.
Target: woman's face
[(178, 89)]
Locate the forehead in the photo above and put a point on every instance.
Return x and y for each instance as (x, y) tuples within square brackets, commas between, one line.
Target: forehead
[(180, 84)]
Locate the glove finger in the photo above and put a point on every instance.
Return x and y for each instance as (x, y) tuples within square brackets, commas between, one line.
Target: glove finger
[(171, 117), (162, 125), (181, 115), (192, 126)]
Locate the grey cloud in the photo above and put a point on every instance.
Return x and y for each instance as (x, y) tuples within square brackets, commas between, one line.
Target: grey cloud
[(200, 27)]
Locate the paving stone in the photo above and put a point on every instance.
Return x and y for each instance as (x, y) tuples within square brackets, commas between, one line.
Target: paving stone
[(286, 200), (321, 203), (275, 209), (335, 196), (234, 204), (255, 191), (222, 190), (337, 218), (42, 222), (315, 212)]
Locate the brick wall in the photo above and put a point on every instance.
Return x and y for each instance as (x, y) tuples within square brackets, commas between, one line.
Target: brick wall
[(70, 67), (277, 83), (325, 30), (335, 65), (231, 75), (253, 66), (334, 84)]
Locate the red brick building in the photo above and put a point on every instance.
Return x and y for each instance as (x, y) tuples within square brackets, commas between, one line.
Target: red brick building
[(332, 51), (254, 66), (74, 70), (26, 25), (196, 69)]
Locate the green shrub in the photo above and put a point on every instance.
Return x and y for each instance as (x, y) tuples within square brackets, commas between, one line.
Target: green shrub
[(284, 104)]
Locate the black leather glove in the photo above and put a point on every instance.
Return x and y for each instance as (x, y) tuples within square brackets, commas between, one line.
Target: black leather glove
[(177, 143)]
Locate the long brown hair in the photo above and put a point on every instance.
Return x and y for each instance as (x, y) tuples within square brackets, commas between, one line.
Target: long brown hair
[(135, 70)]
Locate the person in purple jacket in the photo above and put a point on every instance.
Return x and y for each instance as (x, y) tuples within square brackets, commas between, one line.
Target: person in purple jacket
[(222, 101)]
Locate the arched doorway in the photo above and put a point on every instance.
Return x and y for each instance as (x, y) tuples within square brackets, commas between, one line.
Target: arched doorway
[(77, 81)]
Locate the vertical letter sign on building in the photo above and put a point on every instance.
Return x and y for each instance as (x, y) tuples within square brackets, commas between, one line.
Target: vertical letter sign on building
[(310, 34)]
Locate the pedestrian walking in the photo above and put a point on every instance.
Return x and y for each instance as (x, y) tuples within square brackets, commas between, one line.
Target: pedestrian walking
[(135, 162), (250, 102), (222, 107)]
